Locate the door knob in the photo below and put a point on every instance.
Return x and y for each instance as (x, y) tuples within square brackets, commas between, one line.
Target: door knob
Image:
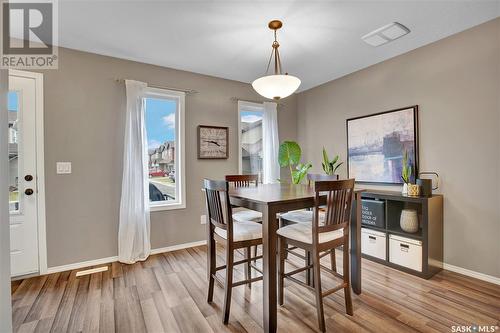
[(28, 178), (29, 191)]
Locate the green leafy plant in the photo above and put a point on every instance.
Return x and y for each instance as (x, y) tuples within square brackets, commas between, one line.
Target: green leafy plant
[(300, 171), (289, 156), (407, 169), (330, 167)]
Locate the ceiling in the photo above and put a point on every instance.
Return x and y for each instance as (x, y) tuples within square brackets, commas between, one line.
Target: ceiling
[(320, 40)]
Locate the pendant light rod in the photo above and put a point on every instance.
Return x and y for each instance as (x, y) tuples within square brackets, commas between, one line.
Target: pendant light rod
[(277, 69)]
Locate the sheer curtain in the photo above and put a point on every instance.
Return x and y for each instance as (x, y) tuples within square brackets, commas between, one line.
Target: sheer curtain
[(134, 228), (270, 144)]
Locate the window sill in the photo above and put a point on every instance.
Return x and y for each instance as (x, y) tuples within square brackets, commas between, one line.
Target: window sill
[(173, 206)]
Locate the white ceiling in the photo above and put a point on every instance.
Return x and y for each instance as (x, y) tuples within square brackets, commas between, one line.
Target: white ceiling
[(320, 40)]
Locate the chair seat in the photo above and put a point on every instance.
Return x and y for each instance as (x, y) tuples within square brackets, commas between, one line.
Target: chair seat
[(302, 216), (242, 231), (247, 215), (302, 232)]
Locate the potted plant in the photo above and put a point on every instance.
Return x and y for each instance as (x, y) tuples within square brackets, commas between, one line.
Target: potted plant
[(289, 156), (406, 172), (330, 167)]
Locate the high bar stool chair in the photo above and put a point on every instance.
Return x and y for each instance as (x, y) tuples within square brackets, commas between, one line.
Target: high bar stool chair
[(306, 216), (232, 235), (317, 238), (244, 214)]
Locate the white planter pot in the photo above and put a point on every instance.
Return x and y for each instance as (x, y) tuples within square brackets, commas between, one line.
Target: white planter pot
[(405, 189)]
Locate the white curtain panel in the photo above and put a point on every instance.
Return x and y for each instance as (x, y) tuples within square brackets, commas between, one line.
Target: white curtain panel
[(270, 144), (134, 229)]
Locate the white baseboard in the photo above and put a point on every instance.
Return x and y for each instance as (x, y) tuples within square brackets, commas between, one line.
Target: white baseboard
[(178, 247), (82, 264), (103, 261), (468, 272)]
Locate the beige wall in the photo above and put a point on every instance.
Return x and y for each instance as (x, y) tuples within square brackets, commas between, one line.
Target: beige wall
[(5, 305), (456, 83), (84, 120)]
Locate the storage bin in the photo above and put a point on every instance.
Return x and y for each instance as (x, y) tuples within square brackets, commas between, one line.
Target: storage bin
[(406, 252), (373, 243), (373, 212)]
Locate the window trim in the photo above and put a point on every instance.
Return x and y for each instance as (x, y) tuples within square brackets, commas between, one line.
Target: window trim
[(242, 105), (180, 148)]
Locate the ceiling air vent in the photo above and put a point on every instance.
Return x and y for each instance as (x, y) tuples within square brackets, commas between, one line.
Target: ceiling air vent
[(386, 34)]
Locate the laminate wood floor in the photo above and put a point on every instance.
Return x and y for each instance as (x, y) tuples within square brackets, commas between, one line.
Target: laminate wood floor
[(167, 293)]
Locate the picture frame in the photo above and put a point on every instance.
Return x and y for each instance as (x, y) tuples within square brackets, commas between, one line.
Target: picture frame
[(376, 144), (213, 142)]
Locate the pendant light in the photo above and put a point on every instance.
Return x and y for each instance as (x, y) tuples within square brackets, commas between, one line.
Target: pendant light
[(278, 85)]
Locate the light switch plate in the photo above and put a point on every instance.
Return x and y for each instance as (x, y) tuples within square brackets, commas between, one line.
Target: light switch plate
[(63, 168), (203, 219)]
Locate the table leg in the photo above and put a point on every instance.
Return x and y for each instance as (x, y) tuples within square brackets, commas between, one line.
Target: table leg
[(269, 228), (355, 235)]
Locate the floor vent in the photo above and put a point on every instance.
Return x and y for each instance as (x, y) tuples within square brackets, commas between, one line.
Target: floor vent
[(91, 271)]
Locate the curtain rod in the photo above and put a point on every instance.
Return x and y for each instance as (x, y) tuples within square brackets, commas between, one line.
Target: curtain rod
[(236, 99), (187, 91)]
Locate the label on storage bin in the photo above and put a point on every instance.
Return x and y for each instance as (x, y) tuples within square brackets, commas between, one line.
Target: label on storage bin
[(372, 212)]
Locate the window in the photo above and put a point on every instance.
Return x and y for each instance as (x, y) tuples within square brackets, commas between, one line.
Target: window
[(164, 117), (13, 139), (250, 138)]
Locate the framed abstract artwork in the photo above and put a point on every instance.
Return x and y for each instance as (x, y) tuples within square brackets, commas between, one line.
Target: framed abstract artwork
[(376, 144), (213, 142)]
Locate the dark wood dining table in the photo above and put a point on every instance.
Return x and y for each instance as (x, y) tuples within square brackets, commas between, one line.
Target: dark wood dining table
[(272, 199)]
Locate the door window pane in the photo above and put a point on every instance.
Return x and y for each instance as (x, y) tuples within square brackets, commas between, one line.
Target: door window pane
[(13, 138)]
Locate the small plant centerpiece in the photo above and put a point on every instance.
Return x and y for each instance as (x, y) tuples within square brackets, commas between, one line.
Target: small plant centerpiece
[(289, 156), (330, 167), (406, 172)]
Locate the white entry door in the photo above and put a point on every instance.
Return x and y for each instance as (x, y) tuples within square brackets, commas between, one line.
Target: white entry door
[(23, 178)]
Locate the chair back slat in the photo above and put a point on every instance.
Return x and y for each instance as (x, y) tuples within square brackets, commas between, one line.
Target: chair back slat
[(242, 180), (217, 200), (339, 196)]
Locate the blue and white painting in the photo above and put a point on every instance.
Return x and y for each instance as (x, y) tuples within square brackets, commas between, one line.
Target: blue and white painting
[(376, 145)]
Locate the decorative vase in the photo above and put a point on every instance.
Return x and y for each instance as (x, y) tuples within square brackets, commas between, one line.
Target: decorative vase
[(409, 220), (413, 190), (405, 189)]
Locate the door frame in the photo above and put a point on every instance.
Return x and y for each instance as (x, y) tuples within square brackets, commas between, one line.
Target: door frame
[(40, 166)]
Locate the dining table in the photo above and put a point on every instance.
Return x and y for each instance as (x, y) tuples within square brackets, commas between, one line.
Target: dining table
[(273, 199)]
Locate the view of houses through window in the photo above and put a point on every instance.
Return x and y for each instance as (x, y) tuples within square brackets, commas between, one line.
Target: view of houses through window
[(161, 134), (251, 138)]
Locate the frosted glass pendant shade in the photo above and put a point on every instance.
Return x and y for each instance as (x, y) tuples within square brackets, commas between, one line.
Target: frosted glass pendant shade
[(276, 86)]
